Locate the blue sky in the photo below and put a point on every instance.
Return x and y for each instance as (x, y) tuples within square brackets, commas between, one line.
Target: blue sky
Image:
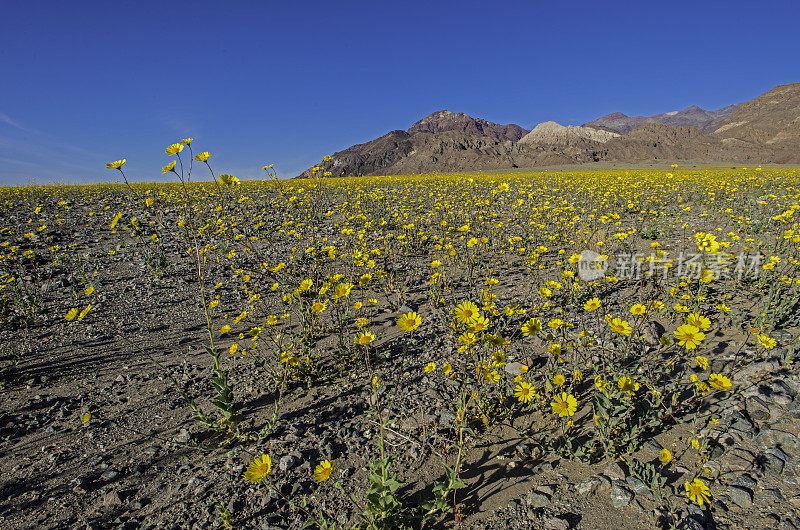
[(85, 83)]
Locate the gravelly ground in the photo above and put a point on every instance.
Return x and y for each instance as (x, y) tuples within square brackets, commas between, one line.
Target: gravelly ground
[(136, 463)]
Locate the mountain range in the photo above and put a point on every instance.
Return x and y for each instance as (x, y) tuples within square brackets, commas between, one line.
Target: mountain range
[(763, 130), (704, 120)]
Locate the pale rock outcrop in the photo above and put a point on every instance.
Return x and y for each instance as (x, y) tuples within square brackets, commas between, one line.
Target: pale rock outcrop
[(552, 133)]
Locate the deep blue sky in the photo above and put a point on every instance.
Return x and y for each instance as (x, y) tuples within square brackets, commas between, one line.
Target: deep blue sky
[(84, 83)]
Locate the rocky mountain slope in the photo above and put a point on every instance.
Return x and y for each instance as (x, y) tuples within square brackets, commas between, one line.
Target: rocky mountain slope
[(658, 141), (764, 130), (445, 140), (772, 119)]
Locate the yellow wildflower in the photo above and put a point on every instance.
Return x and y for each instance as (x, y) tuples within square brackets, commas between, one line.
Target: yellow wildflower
[(258, 469)]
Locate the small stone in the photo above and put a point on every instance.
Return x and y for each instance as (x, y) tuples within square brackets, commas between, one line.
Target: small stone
[(740, 496), (556, 523), (639, 487), (109, 475), (111, 498), (446, 418), (774, 495), (785, 439), (746, 481), (287, 462), (182, 437), (605, 484), (741, 424), (697, 513), (545, 466), (757, 368), (758, 408), (547, 490), (774, 460), (780, 398), (588, 486), (711, 469), (652, 447), (620, 495), (536, 499), (513, 369), (614, 471), (778, 452), (779, 386)]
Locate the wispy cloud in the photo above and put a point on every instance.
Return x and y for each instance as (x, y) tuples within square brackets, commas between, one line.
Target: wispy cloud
[(5, 118), (18, 162)]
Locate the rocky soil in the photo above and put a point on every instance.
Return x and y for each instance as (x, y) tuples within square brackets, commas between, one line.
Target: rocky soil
[(136, 464), (140, 461)]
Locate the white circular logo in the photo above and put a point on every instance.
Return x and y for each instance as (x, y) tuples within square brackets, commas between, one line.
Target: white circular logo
[(591, 266)]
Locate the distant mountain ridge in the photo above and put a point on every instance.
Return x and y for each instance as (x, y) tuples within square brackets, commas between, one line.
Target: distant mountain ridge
[(703, 120), (763, 130)]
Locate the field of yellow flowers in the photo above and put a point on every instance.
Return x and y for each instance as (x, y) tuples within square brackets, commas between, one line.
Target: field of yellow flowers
[(587, 349)]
